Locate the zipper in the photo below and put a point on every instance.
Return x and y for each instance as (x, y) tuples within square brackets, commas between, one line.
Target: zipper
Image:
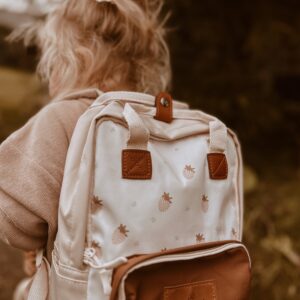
[(105, 270), (193, 255)]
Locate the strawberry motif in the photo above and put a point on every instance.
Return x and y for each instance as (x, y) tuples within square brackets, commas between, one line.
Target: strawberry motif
[(165, 202), (189, 172), (120, 234), (204, 203), (97, 204), (234, 233), (200, 238)]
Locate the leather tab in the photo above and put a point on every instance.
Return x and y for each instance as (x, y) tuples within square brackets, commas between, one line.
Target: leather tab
[(136, 164), (217, 165), (164, 107)]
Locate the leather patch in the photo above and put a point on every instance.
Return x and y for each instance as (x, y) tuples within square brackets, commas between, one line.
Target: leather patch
[(204, 290), (136, 164), (217, 165), (164, 107)]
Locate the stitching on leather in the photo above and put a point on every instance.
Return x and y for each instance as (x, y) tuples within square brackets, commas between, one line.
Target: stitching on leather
[(136, 163), (210, 166), (126, 170), (219, 166), (213, 172)]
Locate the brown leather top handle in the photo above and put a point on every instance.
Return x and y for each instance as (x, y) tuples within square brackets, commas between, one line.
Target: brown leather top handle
[(164, 107)]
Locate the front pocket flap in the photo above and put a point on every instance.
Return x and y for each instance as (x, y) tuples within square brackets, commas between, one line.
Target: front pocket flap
[(204, 290), (135, 260), (182, 266)]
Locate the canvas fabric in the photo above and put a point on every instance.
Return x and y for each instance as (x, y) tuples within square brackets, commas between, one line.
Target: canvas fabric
[(105, 219)]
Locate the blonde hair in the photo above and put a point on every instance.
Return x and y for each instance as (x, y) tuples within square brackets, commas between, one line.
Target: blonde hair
[(109, 45)]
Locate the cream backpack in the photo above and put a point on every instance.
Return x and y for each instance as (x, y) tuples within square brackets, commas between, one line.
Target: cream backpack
[(151, 206)]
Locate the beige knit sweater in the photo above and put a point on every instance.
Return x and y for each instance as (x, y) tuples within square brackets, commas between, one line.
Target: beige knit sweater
[(31, 170)]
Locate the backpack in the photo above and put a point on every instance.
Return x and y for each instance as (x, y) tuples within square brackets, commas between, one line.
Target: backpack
[(151, 206)]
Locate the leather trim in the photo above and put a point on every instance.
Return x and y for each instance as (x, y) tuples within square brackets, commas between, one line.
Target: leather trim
[(164, 113), (217, 165), (228, 269), (136, 164), (137, 259)]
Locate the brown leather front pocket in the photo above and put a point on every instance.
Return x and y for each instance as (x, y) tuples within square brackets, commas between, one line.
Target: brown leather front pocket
[(204, 290), (223, 275)]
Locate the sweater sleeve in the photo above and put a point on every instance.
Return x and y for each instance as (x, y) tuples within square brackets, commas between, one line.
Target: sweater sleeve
[(31, 170)]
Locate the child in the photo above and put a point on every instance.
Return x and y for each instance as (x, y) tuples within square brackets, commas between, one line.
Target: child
[(108, 45)]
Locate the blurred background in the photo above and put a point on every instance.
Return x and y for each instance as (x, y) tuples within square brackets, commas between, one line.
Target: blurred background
[(238, 60)]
